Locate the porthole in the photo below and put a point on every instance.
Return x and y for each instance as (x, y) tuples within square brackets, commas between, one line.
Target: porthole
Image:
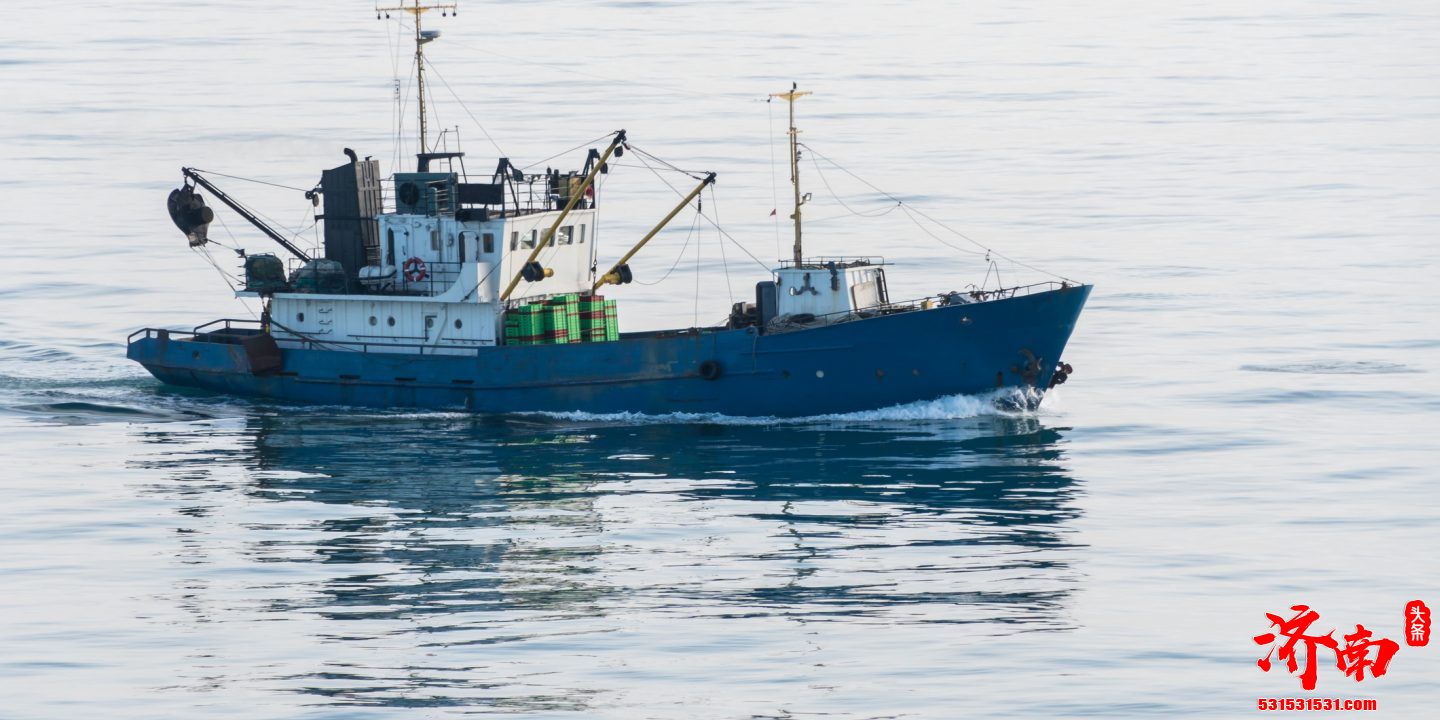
[(373, 321), (390, 321), (458, 324), (300, 317)]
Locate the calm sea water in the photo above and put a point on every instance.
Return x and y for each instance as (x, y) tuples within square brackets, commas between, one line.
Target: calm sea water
[(1252, 187)]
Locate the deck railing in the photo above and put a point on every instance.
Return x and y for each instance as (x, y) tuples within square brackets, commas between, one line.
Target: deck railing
[(201, 332), (949, 299)]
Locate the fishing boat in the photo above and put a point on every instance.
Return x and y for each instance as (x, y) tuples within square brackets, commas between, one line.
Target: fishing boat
[(437, 290)]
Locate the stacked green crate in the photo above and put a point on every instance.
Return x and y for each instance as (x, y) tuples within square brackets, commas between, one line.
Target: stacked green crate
[(612, 321), (557, 324), (597, 319), (525, 325), (569, 304), (530, 324), (568, 320), (562, 319), (592, 318), (562, 324)]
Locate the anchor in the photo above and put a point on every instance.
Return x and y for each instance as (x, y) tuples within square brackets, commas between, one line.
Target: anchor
[(1030, 372)]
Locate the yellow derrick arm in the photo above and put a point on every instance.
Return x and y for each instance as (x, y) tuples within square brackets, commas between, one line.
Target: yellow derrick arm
[(612, 277), (574, 199)]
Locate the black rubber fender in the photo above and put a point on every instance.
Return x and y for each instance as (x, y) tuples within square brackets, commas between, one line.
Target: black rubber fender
[(711, 370)]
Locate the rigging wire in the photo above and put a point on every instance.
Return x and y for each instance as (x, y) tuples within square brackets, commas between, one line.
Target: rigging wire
[(731, 238), (390, 42), (566, 152), (464, 107), (692, 174), (912, 212), (400, 115), (729, 291), (253, 180), (699, 242), (826, 182), (435, 144), (569, 68), (225, 276), (879, 212), (694, 223), (774, 180)]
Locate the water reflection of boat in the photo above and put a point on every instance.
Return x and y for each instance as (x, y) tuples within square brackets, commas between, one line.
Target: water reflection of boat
[(465, 531)]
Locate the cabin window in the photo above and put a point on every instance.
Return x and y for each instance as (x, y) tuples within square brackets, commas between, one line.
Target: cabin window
[(435, 239), (373, 321), (489, 240), (529, 241), (581, 240), (514, 240), (458, 324), (567, 235), (429, 321), (390, 321), (300, 317), (390, 246)]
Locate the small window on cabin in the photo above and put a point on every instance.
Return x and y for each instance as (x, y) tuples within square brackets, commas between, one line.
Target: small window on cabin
[(489, 241), (582, 235), (567, 235), (514, 240), (390, 246), (435, 240), (530, 240)]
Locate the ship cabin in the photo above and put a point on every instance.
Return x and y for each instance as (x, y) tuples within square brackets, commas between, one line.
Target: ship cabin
[(432, 275), (429, 275)]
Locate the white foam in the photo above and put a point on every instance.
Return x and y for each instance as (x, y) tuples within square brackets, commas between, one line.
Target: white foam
[(1007, 403)]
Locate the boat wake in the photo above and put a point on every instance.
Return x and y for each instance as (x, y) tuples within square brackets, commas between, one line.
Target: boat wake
[(1003, 403)]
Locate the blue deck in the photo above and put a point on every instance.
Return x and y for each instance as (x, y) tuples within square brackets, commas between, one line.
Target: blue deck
[(846, 367)]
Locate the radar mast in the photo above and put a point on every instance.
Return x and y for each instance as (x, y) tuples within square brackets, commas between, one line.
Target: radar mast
[(790, 97), (421, 37)]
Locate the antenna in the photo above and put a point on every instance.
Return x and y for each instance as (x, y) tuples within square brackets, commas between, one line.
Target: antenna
[(791, 97), (421, 37)]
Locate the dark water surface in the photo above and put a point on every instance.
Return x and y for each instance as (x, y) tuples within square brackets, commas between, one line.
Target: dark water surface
[(1251, 425)]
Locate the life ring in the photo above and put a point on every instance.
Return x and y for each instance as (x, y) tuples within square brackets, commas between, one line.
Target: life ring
[(710, 369), (415, 270)]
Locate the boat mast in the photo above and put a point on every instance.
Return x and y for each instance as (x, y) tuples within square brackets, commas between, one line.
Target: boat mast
[(421, 37), (791, 97)]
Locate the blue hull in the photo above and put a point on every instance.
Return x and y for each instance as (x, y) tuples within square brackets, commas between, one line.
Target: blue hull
[(858, 365)]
